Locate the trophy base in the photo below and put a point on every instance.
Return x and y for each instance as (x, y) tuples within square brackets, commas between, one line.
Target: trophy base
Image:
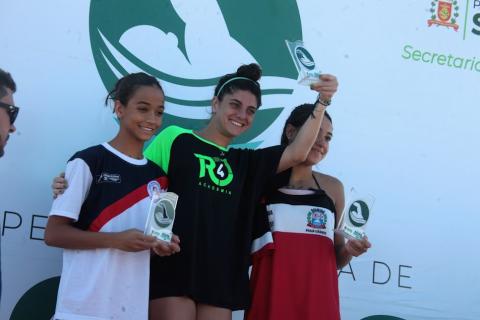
[(307, 79), (352, 233), (162, 234)]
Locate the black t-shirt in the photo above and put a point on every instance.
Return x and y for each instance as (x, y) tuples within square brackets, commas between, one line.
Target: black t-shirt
[(218, 189)]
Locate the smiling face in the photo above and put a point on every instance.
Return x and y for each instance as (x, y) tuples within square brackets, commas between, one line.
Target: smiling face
[(5, 127), (234, 113), (141, 117), (322, 143)]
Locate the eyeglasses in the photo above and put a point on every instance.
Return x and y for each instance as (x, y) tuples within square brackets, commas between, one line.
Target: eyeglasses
[(12, 111)]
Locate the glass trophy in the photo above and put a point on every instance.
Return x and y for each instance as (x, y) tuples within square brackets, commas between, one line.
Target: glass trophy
[(355, 216), (307, 69), (161, 215)]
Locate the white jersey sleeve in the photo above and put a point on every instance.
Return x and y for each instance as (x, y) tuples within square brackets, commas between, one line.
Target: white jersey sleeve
[(79, 178)]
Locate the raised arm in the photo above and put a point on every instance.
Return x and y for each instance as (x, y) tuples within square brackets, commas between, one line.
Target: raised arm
[(297, 151)]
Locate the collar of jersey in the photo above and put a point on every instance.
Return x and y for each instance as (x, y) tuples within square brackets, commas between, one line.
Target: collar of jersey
[(138, 162), (210, 142)]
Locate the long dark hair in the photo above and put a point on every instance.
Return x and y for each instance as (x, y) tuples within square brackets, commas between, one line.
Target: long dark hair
[(125, 87), (246, 78), (297, 118)]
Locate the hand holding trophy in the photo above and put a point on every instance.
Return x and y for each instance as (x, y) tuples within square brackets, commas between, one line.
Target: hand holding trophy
[(310, 75)]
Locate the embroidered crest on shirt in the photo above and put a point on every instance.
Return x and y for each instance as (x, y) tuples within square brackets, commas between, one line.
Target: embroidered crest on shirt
[(316, 220)]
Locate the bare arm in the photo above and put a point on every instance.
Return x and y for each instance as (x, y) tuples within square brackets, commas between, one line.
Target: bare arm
[(342, 255), (61, 233), (298, 150)]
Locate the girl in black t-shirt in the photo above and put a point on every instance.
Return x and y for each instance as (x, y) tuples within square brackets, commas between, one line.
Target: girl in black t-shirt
[(218, 187)]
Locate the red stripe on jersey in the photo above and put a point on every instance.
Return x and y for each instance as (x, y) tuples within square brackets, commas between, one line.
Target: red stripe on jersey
[(123, 204)]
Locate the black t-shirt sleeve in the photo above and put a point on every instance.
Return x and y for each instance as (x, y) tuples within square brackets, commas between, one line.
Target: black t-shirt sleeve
[(281, 179), (264, 164)]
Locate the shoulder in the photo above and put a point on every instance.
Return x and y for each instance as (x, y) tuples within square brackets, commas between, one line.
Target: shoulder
[(90, 154), (268, 152), (328, 180), (332, 186), (270, 149), (166, 137), (174, 131), (263, 157), (151, 165)]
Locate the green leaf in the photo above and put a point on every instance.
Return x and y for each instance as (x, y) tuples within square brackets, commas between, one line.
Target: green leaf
[(269, 22)]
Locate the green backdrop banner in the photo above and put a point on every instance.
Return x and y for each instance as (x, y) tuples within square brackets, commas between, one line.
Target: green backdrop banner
[(406, 124)]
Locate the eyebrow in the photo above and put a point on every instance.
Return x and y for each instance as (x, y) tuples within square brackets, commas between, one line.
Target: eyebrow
[(240, 102), (148, 103)]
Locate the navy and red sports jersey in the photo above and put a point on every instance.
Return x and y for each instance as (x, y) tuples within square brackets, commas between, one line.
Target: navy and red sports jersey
[(108, 192)]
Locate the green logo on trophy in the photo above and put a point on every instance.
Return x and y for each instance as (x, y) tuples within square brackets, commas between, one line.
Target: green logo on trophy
[(164, 214), (307, 69), (356, 215), (161, 215), (304, 58)]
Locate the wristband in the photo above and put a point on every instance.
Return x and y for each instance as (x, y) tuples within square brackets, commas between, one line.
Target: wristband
[(323, 102)]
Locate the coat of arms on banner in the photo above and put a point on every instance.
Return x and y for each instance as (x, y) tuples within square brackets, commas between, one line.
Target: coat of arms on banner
[(444, 13)]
